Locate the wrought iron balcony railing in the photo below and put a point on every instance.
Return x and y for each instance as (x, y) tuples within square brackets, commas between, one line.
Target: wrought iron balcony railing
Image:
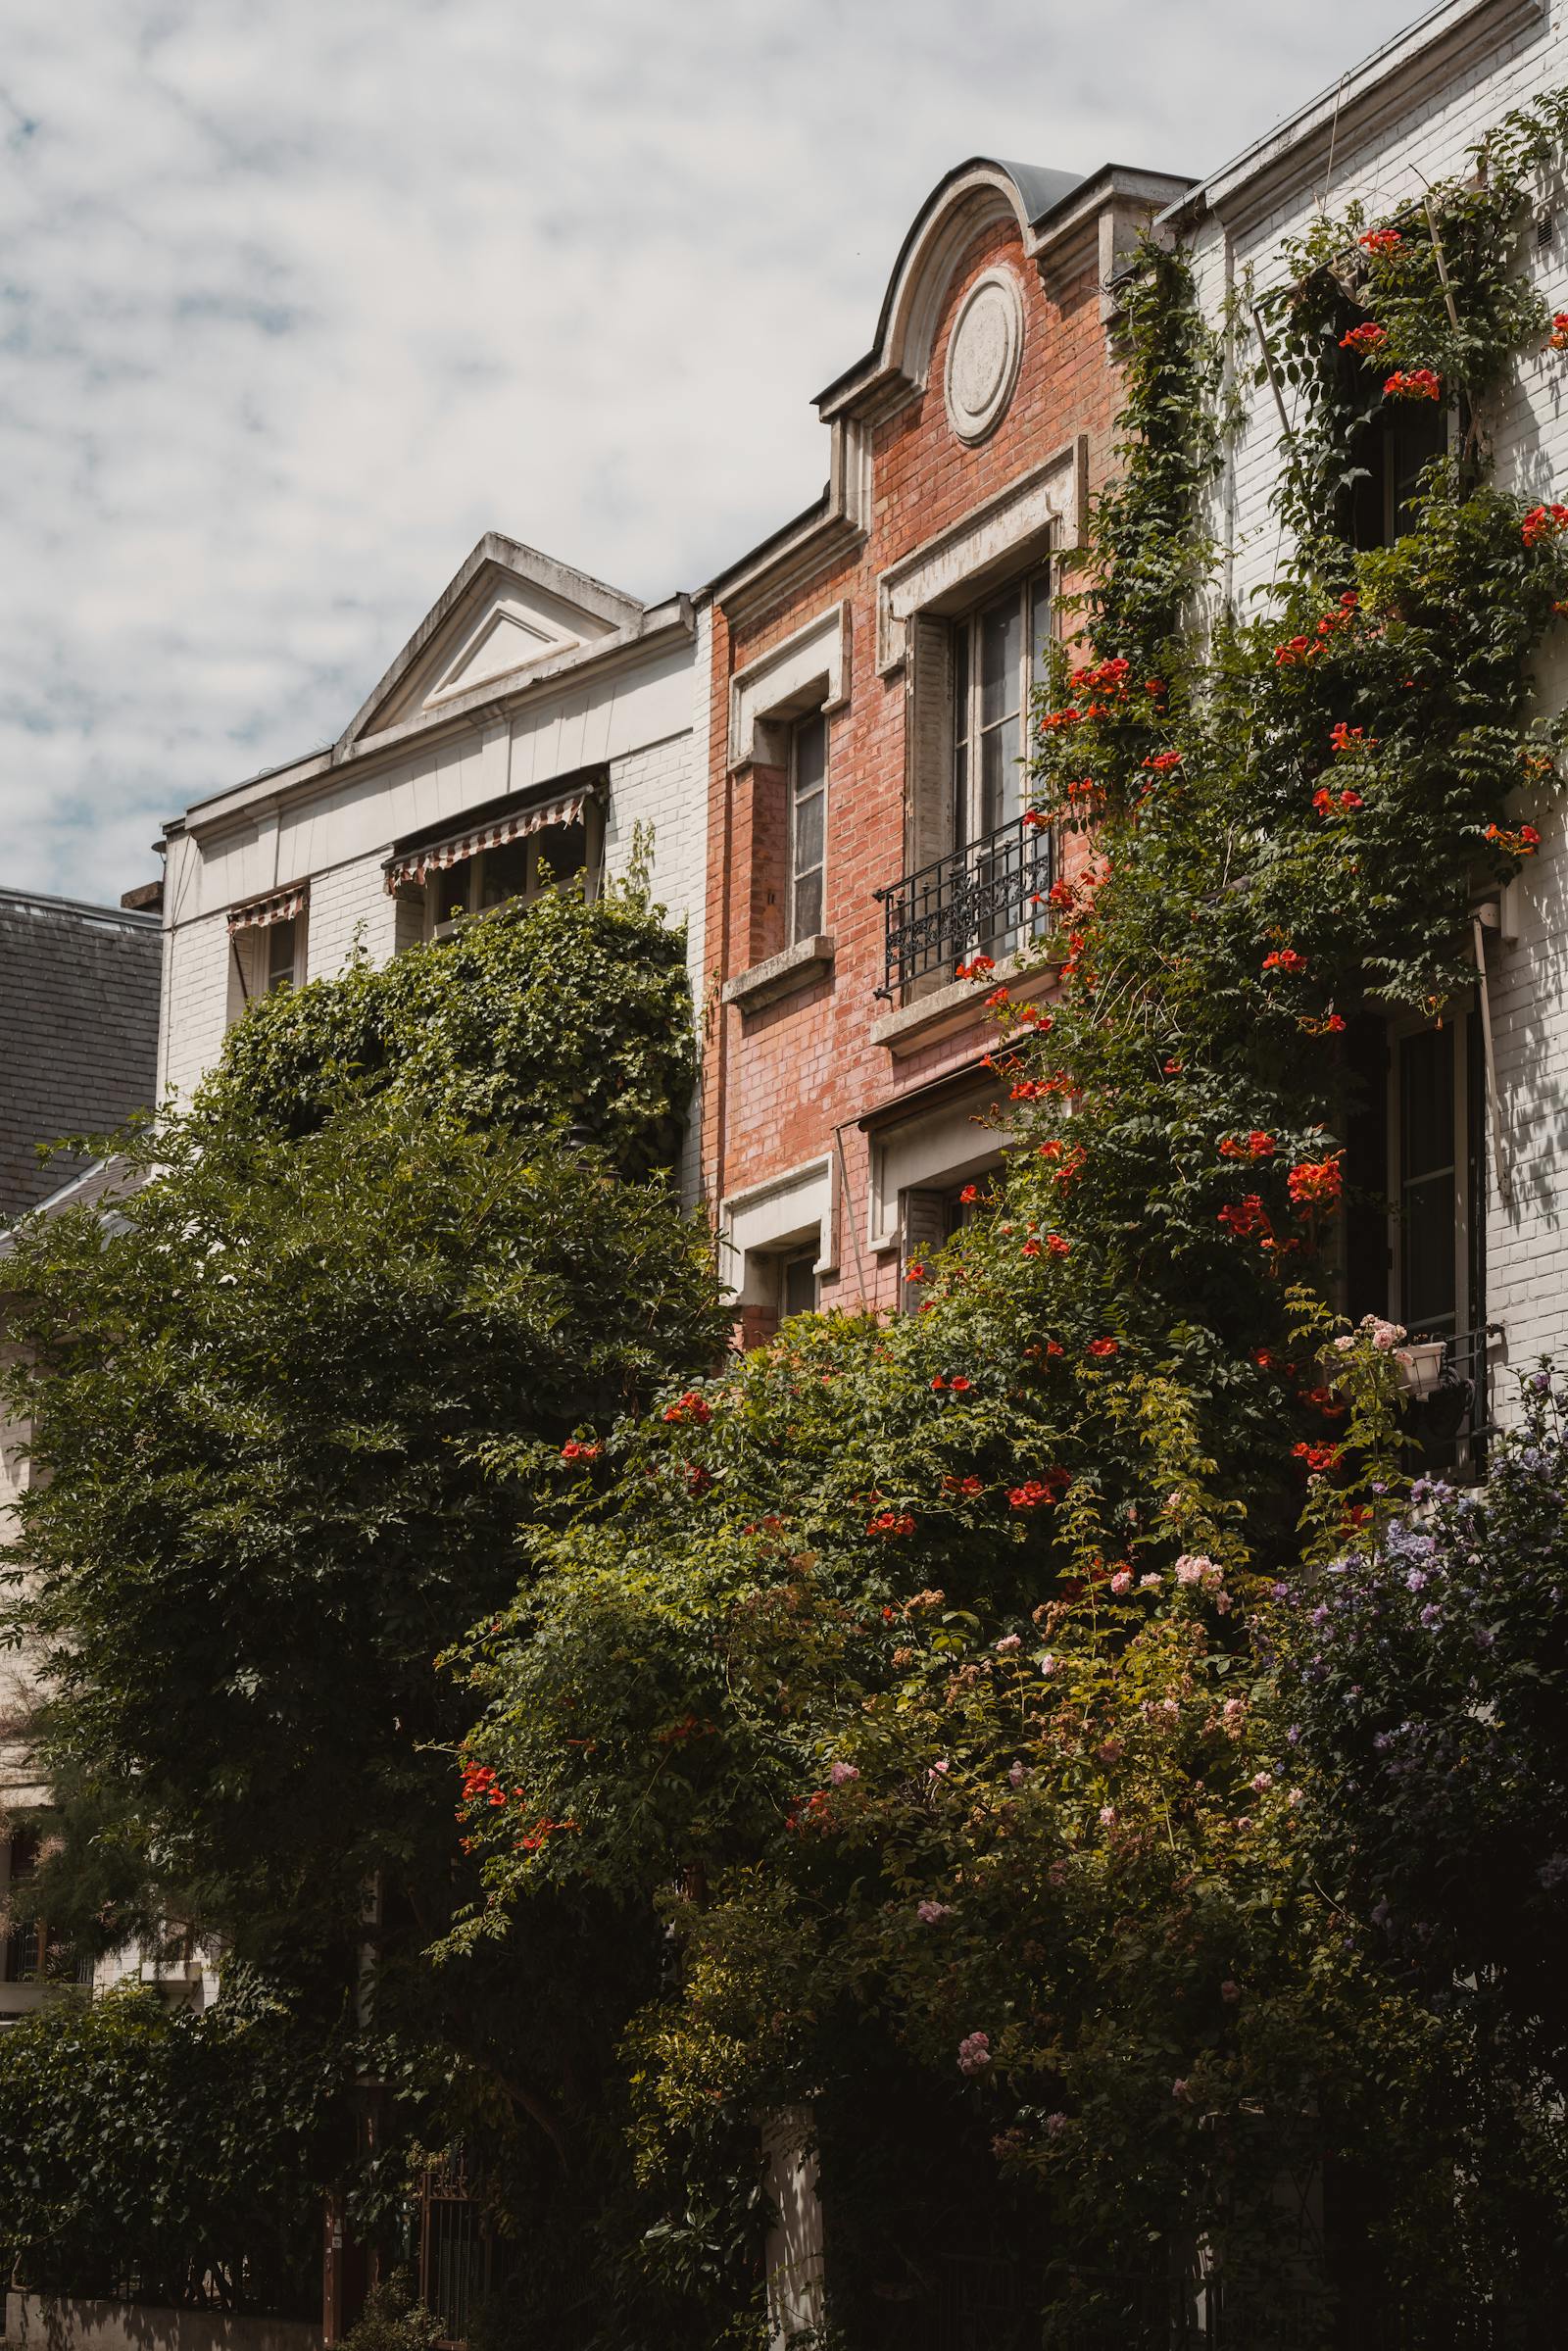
[(1451, 1416), (987, 897)]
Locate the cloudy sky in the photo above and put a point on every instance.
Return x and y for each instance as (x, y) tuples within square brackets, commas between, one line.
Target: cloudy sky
[(299, 296)]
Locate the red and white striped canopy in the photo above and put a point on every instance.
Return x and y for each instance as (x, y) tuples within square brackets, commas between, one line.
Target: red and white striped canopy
[(280, 907), (415, 863)]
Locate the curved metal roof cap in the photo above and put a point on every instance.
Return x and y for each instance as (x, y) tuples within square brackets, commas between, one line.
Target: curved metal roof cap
[(1039, 191)]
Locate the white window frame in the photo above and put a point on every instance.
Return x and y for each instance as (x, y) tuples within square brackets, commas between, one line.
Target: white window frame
[(975, 810), (1467, 1208), (810, 720)]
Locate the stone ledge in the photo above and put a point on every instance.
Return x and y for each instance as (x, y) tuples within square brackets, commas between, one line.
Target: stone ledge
[(946, 1010), (795, 967)]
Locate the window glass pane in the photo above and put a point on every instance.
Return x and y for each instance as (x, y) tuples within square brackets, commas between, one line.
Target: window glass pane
[(563, 848), (1001, 653), (1426, 1103), (960, 795), (1039, 626), (1428, 1187), (279, 955), (807, 905), (810, 754), (503, 873), (809, 816), (1001, 776), (960, 682), (448, 890), (797, 1286)]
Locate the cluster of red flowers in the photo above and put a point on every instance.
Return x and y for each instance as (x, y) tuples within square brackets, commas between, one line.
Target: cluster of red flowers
[(1256, 1146), (1558, 340), (577, 1448), (971, 1195), (1064, 1159), (976, 968), (1284, 958), (1054, 1246), (1318, 1457), (891, 1522), (1102, 1348), (815, 1811), (1381, 240), (680, 1735), (1521, 842), (1350, 738), (957, 1386), (1543, 523), (1034, 1090), (1413, 383), (691, 1407), (1315, 1184), (1036, 1492), (1162, 761), (1298, 649), (481, 1784), (1326, 801), (1246, 1217), (968, 1487), (1364, 338), (1331, 1024)]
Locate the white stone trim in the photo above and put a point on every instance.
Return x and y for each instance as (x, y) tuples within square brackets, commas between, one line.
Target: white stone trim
[(767, 1217), (944, 1147), (974, 412), (1040, 504), (809, 671)]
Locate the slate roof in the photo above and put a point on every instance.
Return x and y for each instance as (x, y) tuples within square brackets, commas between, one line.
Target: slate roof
[(79, 1032)]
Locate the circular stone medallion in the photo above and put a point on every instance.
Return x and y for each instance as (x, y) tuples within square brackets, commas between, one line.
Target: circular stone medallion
[(983, 354)]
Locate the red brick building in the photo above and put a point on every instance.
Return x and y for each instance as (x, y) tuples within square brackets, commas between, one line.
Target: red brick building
[(871, 673)]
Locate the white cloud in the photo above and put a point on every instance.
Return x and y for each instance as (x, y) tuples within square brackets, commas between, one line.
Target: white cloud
[(297, 299)]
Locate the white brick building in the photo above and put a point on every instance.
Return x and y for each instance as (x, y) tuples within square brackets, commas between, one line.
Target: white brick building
[(535, 713), (1396, 123)]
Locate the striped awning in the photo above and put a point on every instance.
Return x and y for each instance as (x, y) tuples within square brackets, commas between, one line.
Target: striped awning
[(412, 864), (281, 906)]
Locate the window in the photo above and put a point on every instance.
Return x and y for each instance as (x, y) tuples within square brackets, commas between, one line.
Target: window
[(796, 1283), (997, 656), (267, 939), (807, 824), (513, 872)]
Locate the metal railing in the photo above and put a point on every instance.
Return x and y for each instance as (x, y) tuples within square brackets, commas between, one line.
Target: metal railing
[(987, 897), (1453, 1422)]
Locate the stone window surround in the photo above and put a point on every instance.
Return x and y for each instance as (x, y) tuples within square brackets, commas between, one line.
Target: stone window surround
[(955, 567), (756, 1225), (810, 670), (931, 1151)]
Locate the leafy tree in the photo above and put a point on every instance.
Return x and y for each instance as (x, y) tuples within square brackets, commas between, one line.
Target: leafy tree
[(174, 2155), (287, 1400), (922, 1679)]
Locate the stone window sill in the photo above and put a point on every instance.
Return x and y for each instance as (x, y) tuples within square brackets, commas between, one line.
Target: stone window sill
[(780, 975)]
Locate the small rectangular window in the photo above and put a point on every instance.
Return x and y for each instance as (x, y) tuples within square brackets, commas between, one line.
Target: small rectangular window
[(282, 950), (807, 824)]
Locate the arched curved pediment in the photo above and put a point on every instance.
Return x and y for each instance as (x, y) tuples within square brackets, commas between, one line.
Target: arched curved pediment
[(978, 196)]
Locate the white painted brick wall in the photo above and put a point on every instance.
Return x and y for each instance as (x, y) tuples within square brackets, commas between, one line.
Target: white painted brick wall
[(659, 787), (1527, 1238)]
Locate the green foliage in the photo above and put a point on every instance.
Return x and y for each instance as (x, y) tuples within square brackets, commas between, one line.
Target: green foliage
[(174, 2156), (565, 1014), (919, 1677), (393, 2320)]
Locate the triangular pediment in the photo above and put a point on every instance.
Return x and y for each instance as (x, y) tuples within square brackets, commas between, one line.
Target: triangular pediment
[(510, 610)]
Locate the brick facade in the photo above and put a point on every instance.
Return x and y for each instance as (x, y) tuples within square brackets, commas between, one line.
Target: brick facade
[(789, 1075)]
